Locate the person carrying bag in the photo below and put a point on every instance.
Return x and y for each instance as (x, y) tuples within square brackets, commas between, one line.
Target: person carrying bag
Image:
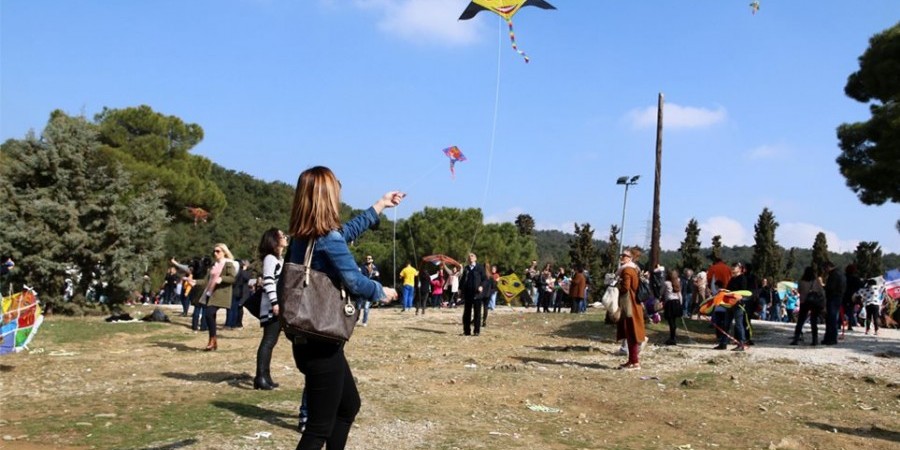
[(319, 246)]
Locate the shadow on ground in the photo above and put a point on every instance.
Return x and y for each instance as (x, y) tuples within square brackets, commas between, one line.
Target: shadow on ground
[(239, 380), (274, 418), (873, 431)]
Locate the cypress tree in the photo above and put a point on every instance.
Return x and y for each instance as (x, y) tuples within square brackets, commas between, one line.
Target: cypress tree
[(868, 259), (766, 253), (690, 247), (819, 253)]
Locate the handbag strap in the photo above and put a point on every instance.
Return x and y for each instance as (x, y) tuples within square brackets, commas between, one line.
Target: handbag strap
[(308, 259)]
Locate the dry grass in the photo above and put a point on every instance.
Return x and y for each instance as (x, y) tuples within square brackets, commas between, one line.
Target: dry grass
[(90, 384)]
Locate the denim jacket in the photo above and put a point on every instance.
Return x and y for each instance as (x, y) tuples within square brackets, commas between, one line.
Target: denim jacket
[(332, 256)]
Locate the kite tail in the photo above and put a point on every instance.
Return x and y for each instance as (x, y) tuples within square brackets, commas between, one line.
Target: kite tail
[(512, 39), (452, 171)]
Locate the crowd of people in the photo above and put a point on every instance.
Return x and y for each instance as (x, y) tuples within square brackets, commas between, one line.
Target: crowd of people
[(330, 399)]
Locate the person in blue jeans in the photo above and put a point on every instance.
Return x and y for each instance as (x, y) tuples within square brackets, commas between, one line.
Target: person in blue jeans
[(370, 271), (331, 392)]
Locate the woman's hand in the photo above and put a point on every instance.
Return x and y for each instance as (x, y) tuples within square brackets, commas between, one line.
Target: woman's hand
[(389, 294), (388, 200), (275, 309)]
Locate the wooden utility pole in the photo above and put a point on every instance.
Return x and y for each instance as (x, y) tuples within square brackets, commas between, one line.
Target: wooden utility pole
[(654, 240)]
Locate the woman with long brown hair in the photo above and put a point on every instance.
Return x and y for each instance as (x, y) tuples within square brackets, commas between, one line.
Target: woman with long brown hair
[(332, 395)]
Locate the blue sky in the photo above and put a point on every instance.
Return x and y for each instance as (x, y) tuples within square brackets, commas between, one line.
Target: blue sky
[(375, 89)]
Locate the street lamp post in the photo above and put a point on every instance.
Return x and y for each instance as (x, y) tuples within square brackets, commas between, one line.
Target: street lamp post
[(627, 182)]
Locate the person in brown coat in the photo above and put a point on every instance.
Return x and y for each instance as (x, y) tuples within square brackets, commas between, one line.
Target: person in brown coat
[(631, 321), (577, 290)]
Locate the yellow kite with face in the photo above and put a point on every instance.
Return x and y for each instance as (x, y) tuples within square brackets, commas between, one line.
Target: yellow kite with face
[(503, 8)]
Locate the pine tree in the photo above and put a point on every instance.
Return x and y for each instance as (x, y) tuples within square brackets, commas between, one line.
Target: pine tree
[(819, 253), (690, 247), (716, 251), (525, 224), (789, 264), (69, 213), (581, 249), (766, 253), (868, 259), (609, 260)]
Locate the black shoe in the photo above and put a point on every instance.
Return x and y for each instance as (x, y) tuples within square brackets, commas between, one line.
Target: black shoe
[(721, 347), (260, 383), (476, 334), (749, 342), (301, 426), (272, 383), (795, 341), (671, 342), (738, 348)]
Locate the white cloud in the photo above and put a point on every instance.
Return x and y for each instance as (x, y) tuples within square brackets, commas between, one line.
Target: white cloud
[(422, 20), (731, 231), (508, 215), (677, 117), (767, 152), (803, 235), (800, 235)]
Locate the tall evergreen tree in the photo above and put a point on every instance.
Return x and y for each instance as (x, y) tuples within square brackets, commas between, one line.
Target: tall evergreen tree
[(766, 253), (581, 248), (69, 213), (525, 224), (609, 260), (690, 247), (716, 251), (819, 253), (790, 264), (868, 259)]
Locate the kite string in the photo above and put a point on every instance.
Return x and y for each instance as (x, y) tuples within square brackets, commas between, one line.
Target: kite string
[(421, 178), (487, 184)]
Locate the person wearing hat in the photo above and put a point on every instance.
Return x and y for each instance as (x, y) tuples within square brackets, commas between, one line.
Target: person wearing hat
[(630, 325)]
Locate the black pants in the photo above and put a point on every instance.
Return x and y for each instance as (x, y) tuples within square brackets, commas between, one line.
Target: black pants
[(469, 304), (832, 321), (672, 309), (484, 310), (210, 317), (812, 311), (271, 331), (330, 392)]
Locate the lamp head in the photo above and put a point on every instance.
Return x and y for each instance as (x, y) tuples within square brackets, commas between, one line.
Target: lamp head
[(634, 179), (622, 180)]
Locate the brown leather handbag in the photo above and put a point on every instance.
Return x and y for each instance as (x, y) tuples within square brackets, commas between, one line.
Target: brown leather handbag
[(312, 305)]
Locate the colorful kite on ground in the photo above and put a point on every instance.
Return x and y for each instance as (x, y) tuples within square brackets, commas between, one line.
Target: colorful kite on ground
[(724, 298), (754, 6), (455, 155), (505, 9), (510, 286), (21, 318)]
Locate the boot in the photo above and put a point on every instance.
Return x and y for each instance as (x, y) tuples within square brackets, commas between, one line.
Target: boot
[(212, 345), (271, 383), (261, 383)]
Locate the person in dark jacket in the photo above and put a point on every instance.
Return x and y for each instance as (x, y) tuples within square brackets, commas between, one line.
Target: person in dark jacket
[(835, 285), (472, 286), (854, 284)]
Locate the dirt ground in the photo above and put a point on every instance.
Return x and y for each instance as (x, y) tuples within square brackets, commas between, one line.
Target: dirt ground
[(547, 381)]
